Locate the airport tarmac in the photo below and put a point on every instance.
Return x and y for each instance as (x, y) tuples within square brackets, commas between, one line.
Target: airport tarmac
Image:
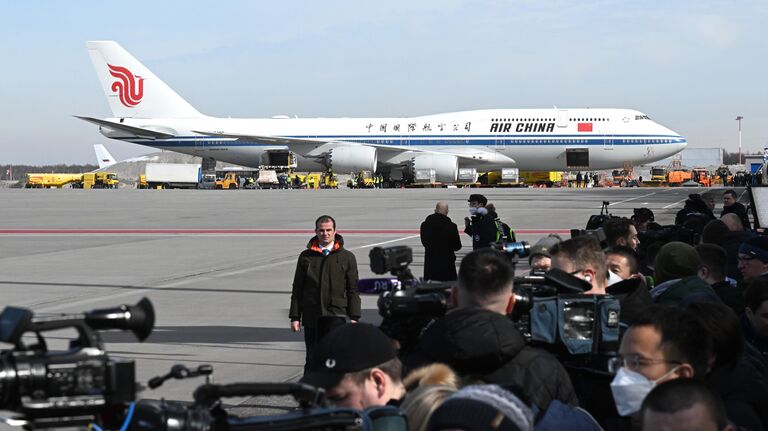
[(218, 265)]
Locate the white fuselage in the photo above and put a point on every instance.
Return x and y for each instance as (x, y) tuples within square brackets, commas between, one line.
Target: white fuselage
[(536, 139)]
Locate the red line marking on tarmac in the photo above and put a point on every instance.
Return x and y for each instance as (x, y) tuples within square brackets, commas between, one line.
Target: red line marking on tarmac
[(236, 231)]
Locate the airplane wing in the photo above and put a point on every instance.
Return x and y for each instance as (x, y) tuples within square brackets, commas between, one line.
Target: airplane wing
[(387, 153), (138, 131)]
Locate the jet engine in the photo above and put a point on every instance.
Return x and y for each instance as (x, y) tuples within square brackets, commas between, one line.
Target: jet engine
[(446, 166), (351, 158)]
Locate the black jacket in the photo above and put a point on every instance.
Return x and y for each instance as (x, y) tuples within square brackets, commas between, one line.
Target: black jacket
[(484, 345), (482, 229), (732, 296), (744, 393), (440, 238), (740, 210), (325, 285)]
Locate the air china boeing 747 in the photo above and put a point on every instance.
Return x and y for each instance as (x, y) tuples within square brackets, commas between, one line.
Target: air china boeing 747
[(148, 112)]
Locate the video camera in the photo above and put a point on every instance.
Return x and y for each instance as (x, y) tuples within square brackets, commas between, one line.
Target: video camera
[(405, 303), (83, 386), (553, 312), (71, 387)]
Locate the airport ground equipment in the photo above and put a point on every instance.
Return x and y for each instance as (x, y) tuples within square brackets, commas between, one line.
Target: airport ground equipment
[(99, 180), (48, 181), (701, 176), (541, 178), (678, 176), (170, 176), (229, 182)]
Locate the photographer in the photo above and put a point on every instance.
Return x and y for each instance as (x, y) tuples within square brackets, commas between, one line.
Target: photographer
[(478, 340), (621, 232), (358, 367), (482, 227), (732, 206), (676, 274), (583, 258)]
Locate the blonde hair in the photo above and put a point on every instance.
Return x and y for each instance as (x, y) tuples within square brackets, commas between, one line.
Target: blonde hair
[(422, 402), (434, 374)]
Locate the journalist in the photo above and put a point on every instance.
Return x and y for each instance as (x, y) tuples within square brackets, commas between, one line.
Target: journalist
[(664, 343), (732, 206), (753, 258), (621, 232), (714, 265), (357, 365), (684, 405), (481, 227), (583, 258), (478, 340), (540, 258), (676, 275)]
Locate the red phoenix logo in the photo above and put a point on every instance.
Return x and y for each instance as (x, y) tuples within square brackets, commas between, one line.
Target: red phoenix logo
[(126, 87)]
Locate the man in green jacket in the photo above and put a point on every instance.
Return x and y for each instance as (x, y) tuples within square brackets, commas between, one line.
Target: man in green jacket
[(676, 276), (325, 283)]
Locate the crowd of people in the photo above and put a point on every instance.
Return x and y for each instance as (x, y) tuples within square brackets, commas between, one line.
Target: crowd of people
[(692, 355)]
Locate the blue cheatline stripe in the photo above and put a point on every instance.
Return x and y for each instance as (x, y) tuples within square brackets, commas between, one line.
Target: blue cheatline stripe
[(459, 137), (209, 141)]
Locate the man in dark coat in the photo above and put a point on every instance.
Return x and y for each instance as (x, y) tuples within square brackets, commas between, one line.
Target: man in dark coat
[(480, 342), (482, 227), (325, 283), (440, 238), (731, 206)]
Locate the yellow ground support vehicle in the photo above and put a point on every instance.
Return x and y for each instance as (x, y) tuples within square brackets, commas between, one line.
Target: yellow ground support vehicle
[(48, 181), (539, 178), (99, 180), (230, 181)]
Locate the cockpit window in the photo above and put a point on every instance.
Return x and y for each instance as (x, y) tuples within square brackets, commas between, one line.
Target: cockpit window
[(642, 117)]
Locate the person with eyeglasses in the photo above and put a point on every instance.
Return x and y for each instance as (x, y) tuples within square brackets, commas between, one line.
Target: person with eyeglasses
[(664, 343), (753, 258)]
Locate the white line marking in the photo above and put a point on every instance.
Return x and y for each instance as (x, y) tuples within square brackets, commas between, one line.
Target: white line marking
[(192, 278), (631, 199), (671, 205)]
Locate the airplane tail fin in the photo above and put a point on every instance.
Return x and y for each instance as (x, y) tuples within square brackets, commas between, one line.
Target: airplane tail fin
[(132, 90), (102, 155)]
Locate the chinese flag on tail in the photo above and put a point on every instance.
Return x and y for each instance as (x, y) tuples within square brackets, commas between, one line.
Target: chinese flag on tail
[(585, 127)]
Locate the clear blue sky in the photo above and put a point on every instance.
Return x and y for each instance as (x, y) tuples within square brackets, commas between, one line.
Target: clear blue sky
[(691, 65)]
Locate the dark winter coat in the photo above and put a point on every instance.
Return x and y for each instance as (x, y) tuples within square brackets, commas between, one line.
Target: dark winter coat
[(744, 394), (484, 345), (740, 210), (482, 229), (732, 296), (440, 238), (325, 285), (679, 291)]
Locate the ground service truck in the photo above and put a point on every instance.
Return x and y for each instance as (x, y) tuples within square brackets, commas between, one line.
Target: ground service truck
[(170, 176)]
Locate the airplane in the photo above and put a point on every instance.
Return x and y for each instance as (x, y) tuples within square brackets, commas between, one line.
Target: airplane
[(147, 111), (105, 159)]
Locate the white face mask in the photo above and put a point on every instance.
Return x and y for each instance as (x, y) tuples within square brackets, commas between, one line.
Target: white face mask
[(613, 278), (482, 211), (630, 388), (472, 210)]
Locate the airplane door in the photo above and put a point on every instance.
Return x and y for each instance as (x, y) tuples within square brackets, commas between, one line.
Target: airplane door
[(562, 118), (608, 142)]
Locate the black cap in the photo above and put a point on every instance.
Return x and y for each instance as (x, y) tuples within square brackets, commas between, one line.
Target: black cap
[(347, 349), (477, 198)]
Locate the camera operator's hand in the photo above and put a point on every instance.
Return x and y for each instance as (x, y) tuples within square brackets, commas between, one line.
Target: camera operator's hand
[(467, 222), (295, 326)]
